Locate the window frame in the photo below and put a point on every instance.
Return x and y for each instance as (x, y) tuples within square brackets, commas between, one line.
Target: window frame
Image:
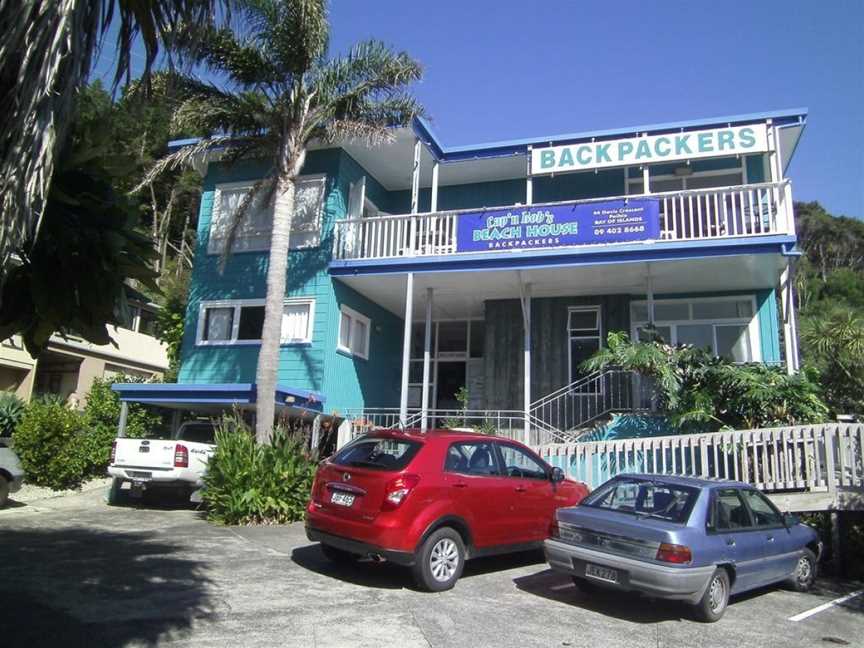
[(751, 323), (496, 462), (500, 445), (237, 305), (353, 316), (635, 181), (598, 309), (215, 213), (758, 494), (711, 522)]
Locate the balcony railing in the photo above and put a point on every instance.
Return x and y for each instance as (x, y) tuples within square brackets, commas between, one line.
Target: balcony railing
[(694, 215)]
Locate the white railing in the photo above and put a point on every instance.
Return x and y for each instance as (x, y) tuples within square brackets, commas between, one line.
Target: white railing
[(694, 215), (808, 458), (504, 423)]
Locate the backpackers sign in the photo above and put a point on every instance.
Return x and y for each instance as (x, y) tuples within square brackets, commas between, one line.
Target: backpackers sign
[(651, 149)]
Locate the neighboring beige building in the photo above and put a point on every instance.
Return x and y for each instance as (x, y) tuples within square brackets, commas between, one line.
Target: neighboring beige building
[(69, 365)]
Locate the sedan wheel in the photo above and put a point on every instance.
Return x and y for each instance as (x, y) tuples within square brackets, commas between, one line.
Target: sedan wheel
[(805, 572), (4, 491), (716, 597)]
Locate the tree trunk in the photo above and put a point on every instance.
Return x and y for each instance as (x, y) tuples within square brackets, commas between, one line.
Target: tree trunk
[(268, 357)]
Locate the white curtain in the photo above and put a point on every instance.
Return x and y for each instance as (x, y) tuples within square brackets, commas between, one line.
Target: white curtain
[(295, 323)]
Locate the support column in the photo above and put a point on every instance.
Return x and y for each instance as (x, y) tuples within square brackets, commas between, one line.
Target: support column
[(316, 435), (525, 299), (415, 179), (790, 343), (529, 179), (406, 350), (434, 206), (649, 280), (427, 362), (124, 415)]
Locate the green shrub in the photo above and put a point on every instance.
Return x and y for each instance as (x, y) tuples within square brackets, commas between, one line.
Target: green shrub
[(101, 415), (48, 442), (11, 411), (248, 483)]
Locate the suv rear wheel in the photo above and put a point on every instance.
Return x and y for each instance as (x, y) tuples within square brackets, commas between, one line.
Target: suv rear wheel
[(440, 560)]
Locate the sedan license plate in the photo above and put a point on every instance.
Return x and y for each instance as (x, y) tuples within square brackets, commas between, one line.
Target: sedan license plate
[(602, 573), (342, 499)]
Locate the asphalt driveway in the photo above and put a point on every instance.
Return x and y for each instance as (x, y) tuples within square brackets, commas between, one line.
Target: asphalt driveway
[(75, 572)]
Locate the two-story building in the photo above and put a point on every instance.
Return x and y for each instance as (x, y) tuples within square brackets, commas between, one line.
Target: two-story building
[(418, 269)]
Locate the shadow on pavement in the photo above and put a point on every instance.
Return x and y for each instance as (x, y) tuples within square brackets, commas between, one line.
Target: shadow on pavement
[(559, 587), (87, 587), (389, 576)]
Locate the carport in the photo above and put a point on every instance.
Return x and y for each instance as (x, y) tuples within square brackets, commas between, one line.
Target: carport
[(214, 399)]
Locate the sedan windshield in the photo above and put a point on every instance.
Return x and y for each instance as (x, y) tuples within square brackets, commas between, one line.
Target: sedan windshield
[(377, 453), (645, 497)]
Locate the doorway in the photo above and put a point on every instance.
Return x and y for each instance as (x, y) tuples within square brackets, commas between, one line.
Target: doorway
[(451, 378)]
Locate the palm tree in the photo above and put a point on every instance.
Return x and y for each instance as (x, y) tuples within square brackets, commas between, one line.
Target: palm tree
[(45, 57), (283, 93)]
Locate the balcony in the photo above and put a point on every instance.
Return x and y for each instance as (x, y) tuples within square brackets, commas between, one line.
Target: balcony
[(725, 213)]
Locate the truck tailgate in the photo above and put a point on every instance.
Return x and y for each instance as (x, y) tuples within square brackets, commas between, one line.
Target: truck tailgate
[(145, 453)]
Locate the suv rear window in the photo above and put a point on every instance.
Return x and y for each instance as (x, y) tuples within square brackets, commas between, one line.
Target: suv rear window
[(200, 433), (645, 497), (379, 453)]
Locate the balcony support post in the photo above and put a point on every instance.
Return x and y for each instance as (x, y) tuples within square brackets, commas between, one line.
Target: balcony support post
[(790, 325), (525, 300), (415, 179), (427, 357), (406, 350), (434, 206)]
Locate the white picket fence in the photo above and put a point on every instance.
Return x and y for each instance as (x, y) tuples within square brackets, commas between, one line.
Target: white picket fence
[(808, 458)]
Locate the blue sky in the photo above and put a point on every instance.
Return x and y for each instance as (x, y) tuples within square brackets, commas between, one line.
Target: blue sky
[(505, 69)]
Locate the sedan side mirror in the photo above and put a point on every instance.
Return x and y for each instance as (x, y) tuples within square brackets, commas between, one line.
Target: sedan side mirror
[(790, 520), (557, 475)]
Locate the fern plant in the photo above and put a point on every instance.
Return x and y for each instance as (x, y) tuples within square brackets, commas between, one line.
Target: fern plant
[(11, 411)]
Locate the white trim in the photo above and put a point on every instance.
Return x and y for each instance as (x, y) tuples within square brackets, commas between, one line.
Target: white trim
[(237, 305), (752, 323), (353, 316), (213, 249)]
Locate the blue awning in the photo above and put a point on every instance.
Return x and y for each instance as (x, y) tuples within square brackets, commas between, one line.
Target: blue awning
[(194, 396)]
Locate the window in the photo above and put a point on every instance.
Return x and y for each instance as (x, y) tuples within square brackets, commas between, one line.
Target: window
[(730, 513), (354, 333), (253, 233), (471, 458), (584, 329), (764, 512), (727, 326), (231, 322), (697, 180), (644, 497), (377, 453), (518, 463)]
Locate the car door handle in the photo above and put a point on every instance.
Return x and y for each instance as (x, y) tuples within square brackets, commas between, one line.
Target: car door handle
[(520, 489), (730, 542), (770, 538), (460, 485)]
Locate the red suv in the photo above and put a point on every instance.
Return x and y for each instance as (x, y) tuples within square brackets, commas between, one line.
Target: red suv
[(430, 501)]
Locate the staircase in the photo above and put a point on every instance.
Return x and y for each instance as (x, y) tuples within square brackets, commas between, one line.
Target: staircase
[(572, 409)]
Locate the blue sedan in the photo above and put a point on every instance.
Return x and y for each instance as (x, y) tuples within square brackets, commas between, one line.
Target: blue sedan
[(684, 538)]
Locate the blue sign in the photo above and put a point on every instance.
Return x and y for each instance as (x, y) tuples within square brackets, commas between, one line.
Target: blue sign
[(614, 221)]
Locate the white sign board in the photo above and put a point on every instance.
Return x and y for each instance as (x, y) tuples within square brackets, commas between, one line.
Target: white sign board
[(634, 151)]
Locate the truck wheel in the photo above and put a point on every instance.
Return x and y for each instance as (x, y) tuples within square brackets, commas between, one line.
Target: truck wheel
[(716, 597), (805, 572), (4, 491), (439, 562), (116, 496), (338, 556)]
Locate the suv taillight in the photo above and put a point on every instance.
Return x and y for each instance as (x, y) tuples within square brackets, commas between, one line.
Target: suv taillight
[(181, 457), (113, 451), (397, 490), (672, 553)]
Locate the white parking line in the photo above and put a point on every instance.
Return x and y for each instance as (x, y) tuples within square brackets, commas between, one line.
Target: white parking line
[(825, 606)]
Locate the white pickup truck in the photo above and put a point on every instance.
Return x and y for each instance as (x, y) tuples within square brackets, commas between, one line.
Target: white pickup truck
[(178, 463)]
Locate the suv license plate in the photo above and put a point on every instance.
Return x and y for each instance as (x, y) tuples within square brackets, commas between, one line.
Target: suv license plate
[(139, 475), (342, 499), (603, 573)]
